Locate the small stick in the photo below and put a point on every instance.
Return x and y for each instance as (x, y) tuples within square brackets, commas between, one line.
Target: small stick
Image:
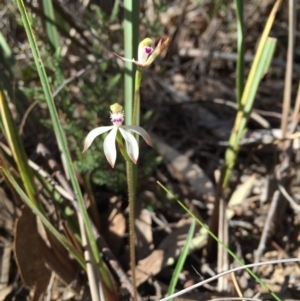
[(266, 230)]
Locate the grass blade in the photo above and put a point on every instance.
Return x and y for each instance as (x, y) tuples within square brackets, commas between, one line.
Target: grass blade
[(50, 25), (268, 55), (12, 137), (181, 259), (240, 66)]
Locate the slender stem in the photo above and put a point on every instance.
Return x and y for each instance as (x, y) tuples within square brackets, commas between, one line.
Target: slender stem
[(131, 196), (131, 37), (132, 179), (136, 101), (136, 114)]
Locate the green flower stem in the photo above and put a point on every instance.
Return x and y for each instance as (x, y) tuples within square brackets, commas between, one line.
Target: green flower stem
[(136, 101), (131, 178), (131, 37), (131, 197)]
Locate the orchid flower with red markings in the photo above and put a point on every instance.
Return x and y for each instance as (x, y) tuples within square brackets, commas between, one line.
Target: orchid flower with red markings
[(117, 132), (146, 54)]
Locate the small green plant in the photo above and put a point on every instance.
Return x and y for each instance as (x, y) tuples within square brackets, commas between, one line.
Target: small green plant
[(118, 132)]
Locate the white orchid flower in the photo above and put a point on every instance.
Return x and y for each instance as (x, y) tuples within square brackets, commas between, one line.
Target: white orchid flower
[(146, 54), (109, 145)]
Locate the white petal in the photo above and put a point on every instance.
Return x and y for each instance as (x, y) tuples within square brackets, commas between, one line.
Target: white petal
[(109, 146), (132, 147), (139, 130), (93, 134), (142, 54)]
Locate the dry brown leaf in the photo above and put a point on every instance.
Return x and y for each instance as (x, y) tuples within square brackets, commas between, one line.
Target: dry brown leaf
[(114, 235), (143, 230), (183, 169), (29, 254), (166, 252)]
